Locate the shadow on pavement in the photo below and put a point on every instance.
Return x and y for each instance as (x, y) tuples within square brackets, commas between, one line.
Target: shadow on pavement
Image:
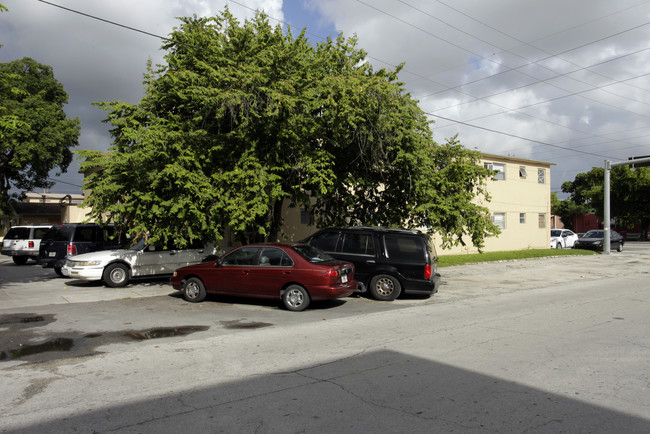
[(381, 391)]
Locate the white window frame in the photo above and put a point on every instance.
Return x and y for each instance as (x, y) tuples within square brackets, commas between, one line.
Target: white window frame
[(500, 168), (522, 217), (541, 176), (541, 220), (522, 172), (499, 219)]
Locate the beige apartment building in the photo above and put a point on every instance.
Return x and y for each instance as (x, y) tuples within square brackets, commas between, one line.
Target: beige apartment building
[(520, 205)]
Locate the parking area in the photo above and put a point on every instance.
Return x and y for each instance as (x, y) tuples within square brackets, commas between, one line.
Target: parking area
[(30, 285)]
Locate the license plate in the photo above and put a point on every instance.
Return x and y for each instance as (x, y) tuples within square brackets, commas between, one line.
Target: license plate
[(344, 278), (51, 254)]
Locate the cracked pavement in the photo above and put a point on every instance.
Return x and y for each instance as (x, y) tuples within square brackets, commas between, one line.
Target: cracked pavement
[(548, 345)]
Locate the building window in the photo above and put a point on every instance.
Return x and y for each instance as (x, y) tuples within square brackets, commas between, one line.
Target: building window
[(305, 217), (522, 172), (522, 217), (542, 220), (541, 176), (500, 169), (499, 219)]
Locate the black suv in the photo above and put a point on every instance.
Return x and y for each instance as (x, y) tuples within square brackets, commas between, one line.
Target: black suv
[(387, 261), (69, 239)]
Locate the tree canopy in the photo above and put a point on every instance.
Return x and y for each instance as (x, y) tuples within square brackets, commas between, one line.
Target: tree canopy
[(245, 117), (629, 193), (35, 134)]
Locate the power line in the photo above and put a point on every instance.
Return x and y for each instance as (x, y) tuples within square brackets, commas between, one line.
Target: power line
[(430, 114), (94, 17), (508, 110), (517, 136)]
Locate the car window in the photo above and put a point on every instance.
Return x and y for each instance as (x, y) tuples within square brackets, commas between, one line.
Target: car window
[(84, 234), (17, 234), (555, 233), (326, 241), (107, 233), (274, 257), (360, 244), (59, 233), (39, 232), (312, 254), (241, 256), (404, 247), (594, 234)]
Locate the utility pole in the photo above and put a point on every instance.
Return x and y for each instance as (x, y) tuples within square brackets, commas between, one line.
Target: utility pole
[(636, 162)]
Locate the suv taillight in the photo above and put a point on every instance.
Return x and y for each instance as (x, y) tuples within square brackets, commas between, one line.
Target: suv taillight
[(30, 244), (427, 271), (72, 249)]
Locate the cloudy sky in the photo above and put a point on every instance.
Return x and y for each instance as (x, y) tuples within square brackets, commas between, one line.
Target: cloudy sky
[(562, 81)]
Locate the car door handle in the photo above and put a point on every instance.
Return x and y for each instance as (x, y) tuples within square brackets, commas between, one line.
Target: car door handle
[(370, 261), (286, 272)]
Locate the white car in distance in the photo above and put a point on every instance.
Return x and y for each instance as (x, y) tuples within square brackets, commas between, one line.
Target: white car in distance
[(563, 238), (117, 267)]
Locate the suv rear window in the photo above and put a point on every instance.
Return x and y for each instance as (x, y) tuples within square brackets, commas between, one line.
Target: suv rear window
[(59, 233), (17, 234), (40, 232), (404, 248), (84, 234)]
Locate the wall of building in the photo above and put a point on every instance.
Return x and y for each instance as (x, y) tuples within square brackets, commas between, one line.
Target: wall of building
[(521, 201), (518, 196)]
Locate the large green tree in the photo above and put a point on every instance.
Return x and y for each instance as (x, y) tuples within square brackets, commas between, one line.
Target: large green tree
[(245, 117), (568, 209), (629, 194), (35, 134)]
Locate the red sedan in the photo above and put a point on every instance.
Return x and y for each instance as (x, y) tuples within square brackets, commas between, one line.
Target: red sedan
[(296, 273)]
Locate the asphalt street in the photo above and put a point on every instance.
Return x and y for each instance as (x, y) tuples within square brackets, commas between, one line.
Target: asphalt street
[(547, 345)]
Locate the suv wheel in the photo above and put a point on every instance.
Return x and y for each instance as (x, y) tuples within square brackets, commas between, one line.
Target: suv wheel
[(385, 288), (20, 260)]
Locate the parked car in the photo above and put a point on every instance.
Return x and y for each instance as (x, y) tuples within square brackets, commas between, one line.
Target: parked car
[(595, 239), (116, 267), (69, 239), (387, 261), (563, 238), (295, 273), (22, 242)]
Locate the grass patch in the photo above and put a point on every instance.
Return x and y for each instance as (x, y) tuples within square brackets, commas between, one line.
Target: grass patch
[(450, 260)]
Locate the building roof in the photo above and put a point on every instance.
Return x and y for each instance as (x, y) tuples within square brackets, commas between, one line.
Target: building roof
[(25, 208), (516, 160)]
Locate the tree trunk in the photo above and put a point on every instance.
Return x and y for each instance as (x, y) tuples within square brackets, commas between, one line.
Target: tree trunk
[(276, 221)]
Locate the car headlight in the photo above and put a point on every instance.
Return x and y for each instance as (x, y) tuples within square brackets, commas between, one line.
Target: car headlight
[(86, 263)]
